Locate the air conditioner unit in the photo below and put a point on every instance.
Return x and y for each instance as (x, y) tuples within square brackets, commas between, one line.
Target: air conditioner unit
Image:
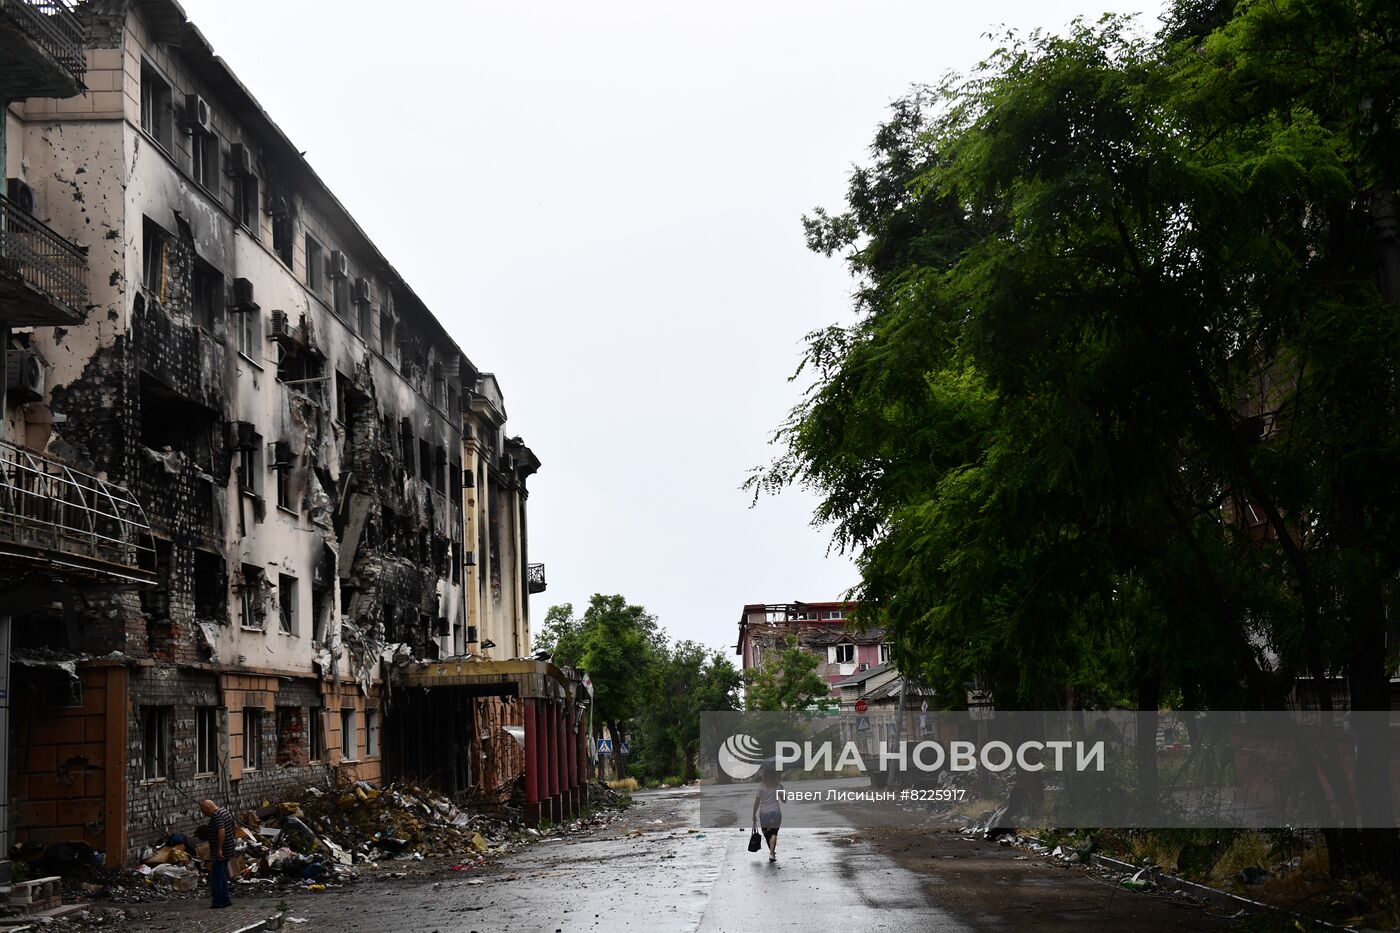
[(24, 376), (241, 161), (339, 265), (243, 296), (20, 194), (279, 327), (507, 463), (468, 479), (281, 453), (198, 117), (361, 293), (469, 558)]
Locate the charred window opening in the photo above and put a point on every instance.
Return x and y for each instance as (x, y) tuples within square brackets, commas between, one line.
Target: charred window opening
[(252, 738), (440, 557), (155, 742), (425, 461), (315, 266), (206, 742), (451, 401), (342, 397), (454, 483), (288, 615), (153, 248), (155, 600), (207, 297), (252, 601), (316, 730), (424, 552), (386, 333), (406, 444), (456, 562), (245, 200), (204, 161), (302, 368), (283, 226), (320, 609), (171, 423), (291, 736), (210, 588), (439, 385), (250, 466), (440, 470)]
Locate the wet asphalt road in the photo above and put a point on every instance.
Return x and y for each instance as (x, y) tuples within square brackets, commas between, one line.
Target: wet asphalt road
[(651, 871)]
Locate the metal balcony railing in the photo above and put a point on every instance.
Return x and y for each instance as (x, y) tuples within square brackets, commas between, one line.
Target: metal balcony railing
[(534, 577), (53, 27), (42, 259), (55, 516)]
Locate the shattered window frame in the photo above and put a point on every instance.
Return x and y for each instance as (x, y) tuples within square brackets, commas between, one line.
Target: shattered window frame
[(153, 242), (371, 733), (207, 296), (204, 161), (349, 744), (287, 604), (315, 264), (206, 741), (251, 614), (315, 733), (250, 468), (155, 742), (252, 738), (250, 334)]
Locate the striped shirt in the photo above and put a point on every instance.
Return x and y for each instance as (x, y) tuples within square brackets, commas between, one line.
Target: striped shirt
[(222, 819)]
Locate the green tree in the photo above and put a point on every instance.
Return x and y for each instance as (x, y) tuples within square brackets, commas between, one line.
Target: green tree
[(687, 680), (614, 641), (787, 681), (1118, 409)]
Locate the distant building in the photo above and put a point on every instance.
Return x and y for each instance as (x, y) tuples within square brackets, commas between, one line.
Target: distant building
[(819, 628)]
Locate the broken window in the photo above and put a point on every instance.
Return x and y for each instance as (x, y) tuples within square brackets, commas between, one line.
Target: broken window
[(454, 483), (347, 734), (440, 469), (340, 297), (386, 330), (206, 740), (371, 733), (207, 296), (252, 738), (319, 610), (316, 730), (425, 461), (283, 227), (210, 588), (315, 265), (157, 114), (287, 603), (439, 384), (155, 600), (249, 333), (291, 736), (204, 161), (843, 654), (153, 243), (155, 742), (245, 201), (456, 562), (406, 443), (251, 612), (342, 397), (250, 467)]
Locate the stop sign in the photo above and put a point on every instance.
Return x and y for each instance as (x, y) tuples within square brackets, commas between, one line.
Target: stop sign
[(862, 706)]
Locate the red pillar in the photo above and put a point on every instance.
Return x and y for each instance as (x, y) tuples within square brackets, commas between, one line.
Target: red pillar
[(532, 760), (555, 790), (566, 797), (571, 757)]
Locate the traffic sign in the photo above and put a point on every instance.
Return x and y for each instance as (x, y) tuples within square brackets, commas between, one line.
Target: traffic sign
[(626, 747), (861, 705), (862, 723), (605, 746)]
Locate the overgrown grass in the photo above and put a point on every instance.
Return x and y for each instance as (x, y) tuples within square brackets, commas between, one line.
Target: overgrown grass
[(627, 784)]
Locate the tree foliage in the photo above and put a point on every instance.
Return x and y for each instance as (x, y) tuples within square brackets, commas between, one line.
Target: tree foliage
[(787, 682), (1116, 420)]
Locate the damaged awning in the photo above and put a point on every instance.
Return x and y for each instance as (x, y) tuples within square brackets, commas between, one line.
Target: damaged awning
[(520, 677)]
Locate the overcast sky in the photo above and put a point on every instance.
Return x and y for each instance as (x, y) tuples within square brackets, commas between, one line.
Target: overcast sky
[(602, 202)]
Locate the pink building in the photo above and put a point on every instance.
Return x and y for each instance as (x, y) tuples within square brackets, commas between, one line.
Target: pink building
[(820, 628)]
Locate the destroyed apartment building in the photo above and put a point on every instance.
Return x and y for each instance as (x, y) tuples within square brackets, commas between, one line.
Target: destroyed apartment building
[(260, 522)]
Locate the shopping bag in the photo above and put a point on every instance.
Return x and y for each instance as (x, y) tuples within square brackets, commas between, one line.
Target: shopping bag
[(755, 840)]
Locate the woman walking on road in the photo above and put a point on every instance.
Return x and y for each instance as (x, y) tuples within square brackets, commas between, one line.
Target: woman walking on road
[(768, 808)]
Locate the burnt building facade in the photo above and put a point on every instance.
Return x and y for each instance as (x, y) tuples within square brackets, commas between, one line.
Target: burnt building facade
[(328, 488)]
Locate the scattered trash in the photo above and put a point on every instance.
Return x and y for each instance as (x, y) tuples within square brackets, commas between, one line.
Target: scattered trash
[(1253, 874)]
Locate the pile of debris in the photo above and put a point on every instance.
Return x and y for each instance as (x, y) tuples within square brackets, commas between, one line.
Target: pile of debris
[(403, 821)]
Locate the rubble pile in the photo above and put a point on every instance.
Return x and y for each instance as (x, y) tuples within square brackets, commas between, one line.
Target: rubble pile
[(403, 821)]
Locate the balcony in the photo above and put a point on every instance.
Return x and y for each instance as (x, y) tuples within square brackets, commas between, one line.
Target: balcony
[(41, 49), (43, 277), (534, 578), (60, 520)]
